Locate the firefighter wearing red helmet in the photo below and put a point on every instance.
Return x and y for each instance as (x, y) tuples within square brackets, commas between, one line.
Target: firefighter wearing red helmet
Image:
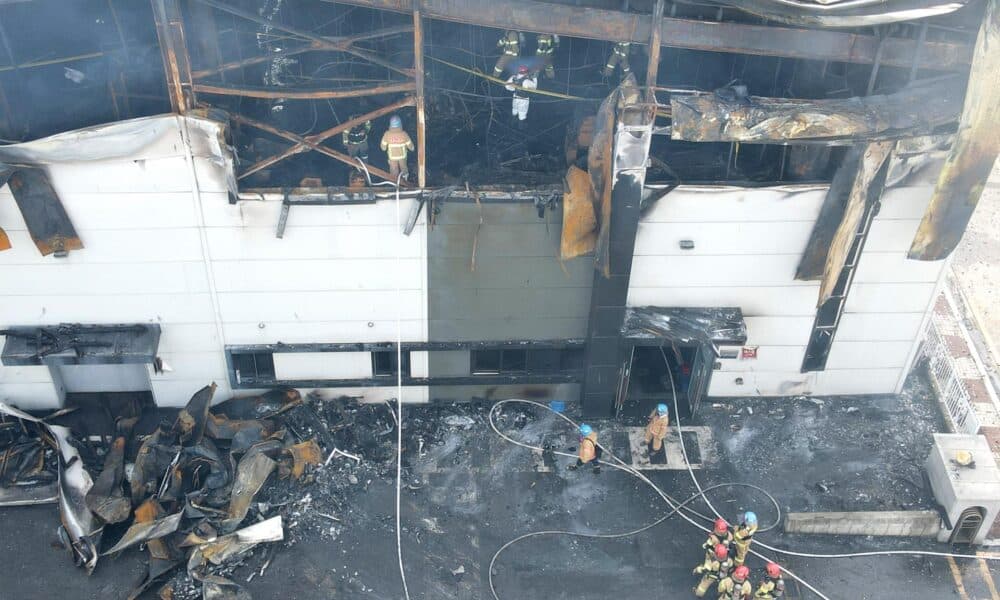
[(721, 534), (737, 585), (716, 566), (773, 586)]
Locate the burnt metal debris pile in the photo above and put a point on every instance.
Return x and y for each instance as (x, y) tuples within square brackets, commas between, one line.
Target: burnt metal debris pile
[(185, 493)]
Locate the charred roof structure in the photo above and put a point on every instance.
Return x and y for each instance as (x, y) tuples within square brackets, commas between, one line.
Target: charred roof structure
[(528, 212)]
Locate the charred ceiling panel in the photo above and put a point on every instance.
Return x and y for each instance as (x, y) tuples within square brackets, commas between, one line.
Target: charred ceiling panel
[(721, 326), (49, 225), (813, 262), (76, 344), (972, 155), (727, 117)]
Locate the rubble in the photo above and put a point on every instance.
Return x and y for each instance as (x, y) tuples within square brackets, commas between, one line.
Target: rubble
[(187, 494)]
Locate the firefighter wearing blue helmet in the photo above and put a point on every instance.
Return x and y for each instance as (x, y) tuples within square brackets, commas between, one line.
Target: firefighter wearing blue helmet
[(743, 535), (588, 452), (656, 431)]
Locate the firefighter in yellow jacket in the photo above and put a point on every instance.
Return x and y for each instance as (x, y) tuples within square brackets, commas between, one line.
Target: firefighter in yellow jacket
[(721, 534), (656, 430), (395, 144), (589, 452), (743, 535), (773, 586), (736, 586), (715, 568), (511, 45), (545, 47), (618, 58)]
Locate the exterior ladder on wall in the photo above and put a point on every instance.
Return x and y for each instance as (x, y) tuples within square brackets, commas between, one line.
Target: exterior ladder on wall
[(828, 316)]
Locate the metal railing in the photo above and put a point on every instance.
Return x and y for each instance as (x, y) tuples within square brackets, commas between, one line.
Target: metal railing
[(947, 384)]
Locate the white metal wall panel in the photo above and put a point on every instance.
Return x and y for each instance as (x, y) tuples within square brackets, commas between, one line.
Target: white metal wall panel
[(118, 308), (369, 274), (726, 239), (341, 242), (721, 204), (57, 279), (879, 327), (322, 365), (769, 358), (731, 270), (90, 210), (104, 378), (32, 396), (305, 332), (106, 247), (747, 246), (320, 306), (779, 331)]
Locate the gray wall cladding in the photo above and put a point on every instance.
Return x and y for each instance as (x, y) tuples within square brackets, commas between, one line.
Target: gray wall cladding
[(519, 289)]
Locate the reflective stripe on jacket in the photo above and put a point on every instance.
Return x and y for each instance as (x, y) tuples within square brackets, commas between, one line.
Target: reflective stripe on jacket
[(395, 142)]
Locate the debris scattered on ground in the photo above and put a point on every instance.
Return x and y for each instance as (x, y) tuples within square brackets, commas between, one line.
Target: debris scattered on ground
[(186, 496)]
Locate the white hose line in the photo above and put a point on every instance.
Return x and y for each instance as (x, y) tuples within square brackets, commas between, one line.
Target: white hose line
[(674, 504), (399, 392)]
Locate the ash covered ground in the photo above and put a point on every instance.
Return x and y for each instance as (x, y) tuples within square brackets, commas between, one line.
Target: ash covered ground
[(466, 492)]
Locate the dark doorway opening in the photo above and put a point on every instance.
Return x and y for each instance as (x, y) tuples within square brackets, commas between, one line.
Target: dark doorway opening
[(967, 527), (649, 380)]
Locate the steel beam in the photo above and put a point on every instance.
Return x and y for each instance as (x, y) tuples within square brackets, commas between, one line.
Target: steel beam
[(740, 38), (418, 68), (173, 47), (287, 94)]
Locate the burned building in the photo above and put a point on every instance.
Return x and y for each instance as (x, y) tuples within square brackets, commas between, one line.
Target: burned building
[(759, 201)]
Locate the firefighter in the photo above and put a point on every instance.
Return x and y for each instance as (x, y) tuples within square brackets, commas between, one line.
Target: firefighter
[(589, 452), (511, 44), (356, 140), (715, 568), (743, 535), (656, 430), (395, 144), (773, 586), (736, 586), (545, 46), (520, 102), (721, 534), (619, 58)]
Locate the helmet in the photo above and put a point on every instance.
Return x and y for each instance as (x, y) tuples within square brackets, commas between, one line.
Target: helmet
[(512, 36), (720, 526), (395, 122), (586, 430), (662, 409), (741, 572), (522, 70), (721, 552), (773, 570), (750, 517)]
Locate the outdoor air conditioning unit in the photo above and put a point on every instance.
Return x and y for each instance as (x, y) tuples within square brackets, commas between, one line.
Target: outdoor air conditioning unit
[(966, 483)]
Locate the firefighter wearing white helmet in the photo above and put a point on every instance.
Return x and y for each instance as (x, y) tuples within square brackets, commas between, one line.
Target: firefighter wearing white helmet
[(518, 83), (395, 144)]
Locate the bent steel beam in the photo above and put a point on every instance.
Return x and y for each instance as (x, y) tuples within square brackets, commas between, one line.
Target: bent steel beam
[(618, 26), (973, 152)]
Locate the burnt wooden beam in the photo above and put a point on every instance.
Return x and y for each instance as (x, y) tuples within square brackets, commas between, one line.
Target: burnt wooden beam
[(916, 110), (311, 47), (654, 53), (319, 40), (973, 152), (44, 214), (418, 69), (813, 262), (173, 47), (275, 93), (862, 195), (288, 135), (323, 135), (741, 38)]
